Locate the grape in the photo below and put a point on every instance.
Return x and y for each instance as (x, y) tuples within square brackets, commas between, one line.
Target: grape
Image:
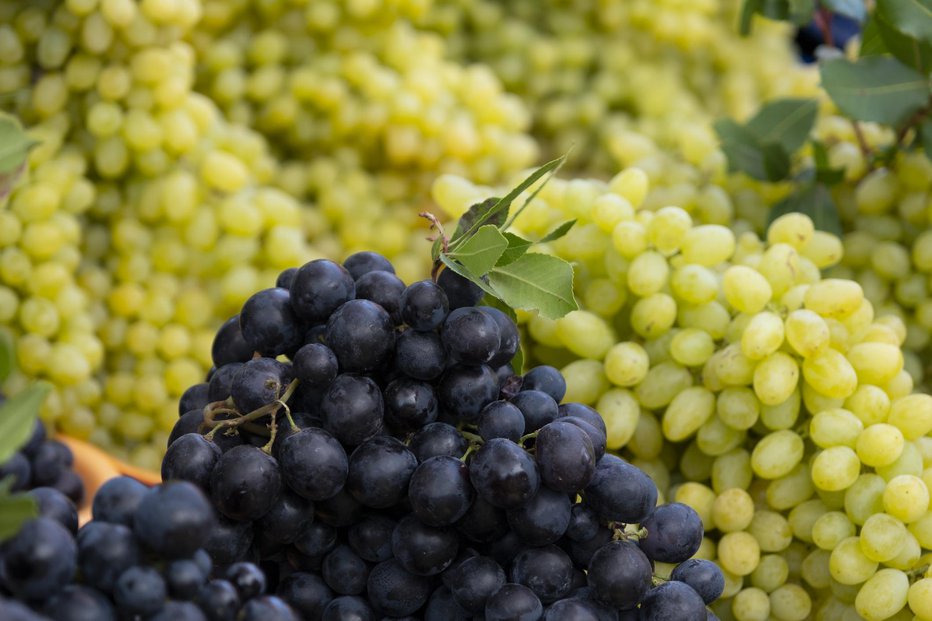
[(267, 607), (410, 404), (78, 603), (316, 539), (619, 574), (284, 521), (229, 345), (268, 323), (508, 337), (483, 522), (245, 483), (361, 335), (220, 385), (259, 382), (538, 408), (464, 390), (140, 591), (348, 607), (543, 518), (352, 409), (674, 532), (439, 490), (379, 471), (319, 288), (513, 602), (316, 364), (503, 474), (421, 549), (395, 591), (460, 292), (424, 305), (672, 600), (370, 538), (229, 541), (104, 552), (546, 570), (619, 491), (359, 264), (565, 456), (38, 560), (172, 518), (191, 457), (54, 505), (436, 439), (501, 419), (546, 379), (419, 355), (703, 576), (306, 593), (383, 288), (474, 581), (470, 336), (344, 572)]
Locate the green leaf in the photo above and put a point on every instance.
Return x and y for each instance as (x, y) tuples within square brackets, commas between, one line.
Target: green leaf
[(746, 153), (15, 509), (14, 143), (785, 121), (17, 418), (517, 246), (872, 43), (816, 202), (558, 232), (7, 356), (876, 88), (906, 49), (533, 194), (824, 172), (481, 251), (801, 11), (748, 10), (911, 17), (479, 211), (465, 273), (925, 136), (855, 9), (536, 282)]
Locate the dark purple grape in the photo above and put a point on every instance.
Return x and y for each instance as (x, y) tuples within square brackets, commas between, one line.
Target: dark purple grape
[(421, 549), (171, 519), (394, 591), (50, 461), (40, 559), (620, 574), (424, 305), (221, 383), (117, 499), (189, 422), (383, 288), (546, 379), (313, 463), (229, 541), (352, 409), (547, 571), (420, 355), (439, 491), (573, 609), (315, 364), (365, 262), (674, 533), (409, 404), (538, 409), (104, 552), (319, 288), (442, 607), (460, 291), (370, 538), (71, 485), (194, 398), (583, 524), (139, 591), (596, 437), (259, 382), (286, 518), (465, 390), (219, 600), (543, 518), (184, 579), (36, 439), (18, 471), (620, 492), (269, 323), (344, 572), (565, 456), (437, 439), (509, 340), (316, 539), (379, 471), (307, 593), (286, 277), (361, 335), (75, 603), (501, 419), (245, 483), (248, 579), (191, 457), (483, 522), (582, 551), (340, 510), (229, 344), (267, 608), (474, 581), (584, 412), (703, 576), (504, 474), (178, 611), (513, 602), (348, 608), (55, 505), (470, 336), (670, 601)]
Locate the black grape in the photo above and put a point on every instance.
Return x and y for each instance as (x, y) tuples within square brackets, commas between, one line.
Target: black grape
[(674, 533)]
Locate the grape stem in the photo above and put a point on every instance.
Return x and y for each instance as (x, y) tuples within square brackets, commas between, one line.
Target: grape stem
[(472, 437), (469, 451), (241, 419), (526, 437)]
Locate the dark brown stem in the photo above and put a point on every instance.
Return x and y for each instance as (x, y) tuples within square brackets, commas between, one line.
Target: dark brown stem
[(823, 19), (862, 142), (913, 121)]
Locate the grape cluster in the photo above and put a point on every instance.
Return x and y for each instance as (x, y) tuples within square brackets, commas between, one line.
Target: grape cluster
[(369, 444)]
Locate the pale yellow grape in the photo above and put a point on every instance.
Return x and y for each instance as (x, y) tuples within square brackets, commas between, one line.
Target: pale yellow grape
[(803, 517), (831, 528), (908, 463), (906, 498), (830, 373), (687, 412), (632, 183), (585, 334), (780, 266), (836, 468), (699, 497), (824, 249), (738, 553), (647, 441), (875, 363), (732, 367), (806, 332), (790, 490), (782, 415), (738, 407), (922, 530), (667, 229), (880, 444), (776, 454), (771, 530), (770, 573), (662, 383), (869, 403), (909, 554), (912, 415), (882, 537), (708, 245), (762, 336), (732, 510), (648, 273), (834, 298), (775, 378), (835, 427), (585, 381), (732, 470), (716, 438), (692, 347), (883, 595), (610, 209), (653, 315), (795, 229), (814, 569), (790, 602), (711, 318), (919, 597), (620, 410), (694, 464), (693, 284), (626, 364), (848, 563), (900, 386), (629, 239), (864, 498), (746, 290), (751, 604)]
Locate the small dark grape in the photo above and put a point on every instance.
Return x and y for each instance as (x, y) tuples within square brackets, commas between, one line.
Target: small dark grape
[(184, 579), (420, 355), (379, 471), (565, 456), (437, 439), (483, 522), (470, 336), (191, 457), (584, 412), (267, 608), (620, 492), (36, 439), (513, 602), (508, 336), (672, 600), (316, 539), (442, 607), (583, 524), (172, 519), (465, 390), (547, 571), (247, 578), (259, 382), (18, 470), (307, 593), (421, 549), (424, 305), (245, 483), (178, 611), (383, 288), (269, 323), (395, 591), (316, 364), (71, 485), (360, 263), (344, 572), (460, 291), (361, 335), (596, 437), (538, 409), (75, 603), (40, 559), (543, 518), (117, 499), (50, 461), (348, 608), (229, 541), (474, 581), (313, 463), (703, 576), (501, 419), (352, 409), (371, 538), (56, 506), (229, 345), (546, 379), (221, 383), (219, 600), (440, 491), (104, 552), (284, 521), (339, 510), (410, 404), (286, 277), (674, 533), (319, 288), (194, 398), (573, 609), (139, 591), (504, 474), (620, 574)]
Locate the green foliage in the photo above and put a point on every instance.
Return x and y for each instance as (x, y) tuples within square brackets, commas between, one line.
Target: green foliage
[(15, 510), (7, 355), (14, 147), (876, 88), (18, 416), (815, 201)]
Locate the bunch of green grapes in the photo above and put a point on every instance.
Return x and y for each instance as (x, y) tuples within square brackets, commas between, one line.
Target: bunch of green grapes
[(770, 399), (356, 91), (144, 221)]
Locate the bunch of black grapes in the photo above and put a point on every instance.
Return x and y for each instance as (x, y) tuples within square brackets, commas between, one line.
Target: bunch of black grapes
[(369, 446), (44, 464)]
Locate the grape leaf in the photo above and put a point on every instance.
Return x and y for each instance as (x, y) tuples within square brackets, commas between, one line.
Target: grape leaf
[(746, 153), (14, 143), (748, 9), (854, 9), (906, 49), (7, 356), (18, 416), (465, 273), (478, 212), (824, 172), (875, 88), (15, 509), (536, 282), (796, 11), (481, 251), (816, 202), (911, 17), (785, 121), (558, 232), (925, 136), (872, 43), (517, 246)]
